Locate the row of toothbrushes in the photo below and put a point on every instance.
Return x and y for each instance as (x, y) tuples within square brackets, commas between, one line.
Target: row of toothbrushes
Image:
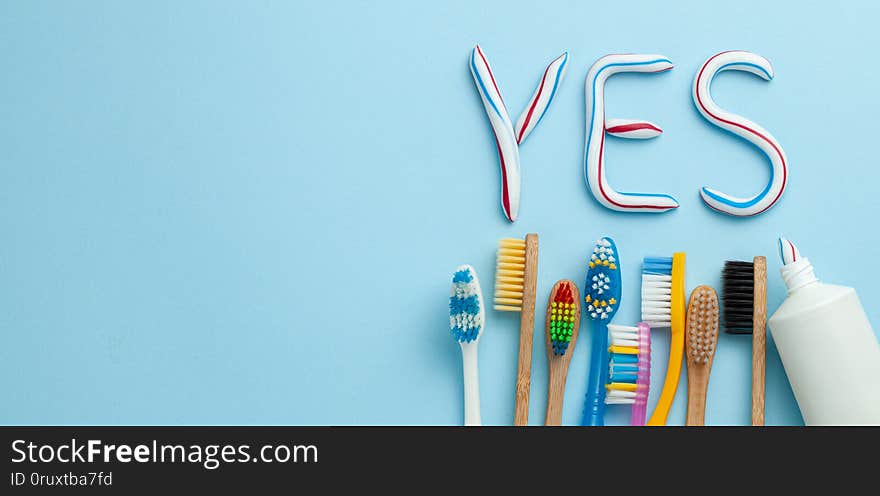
[(620, 364)]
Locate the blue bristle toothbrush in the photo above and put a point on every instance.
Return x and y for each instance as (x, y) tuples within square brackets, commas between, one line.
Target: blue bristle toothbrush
[(466, 317), (602, 290)]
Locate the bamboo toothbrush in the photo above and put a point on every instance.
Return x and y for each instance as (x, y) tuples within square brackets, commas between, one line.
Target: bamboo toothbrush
[(563, 320), (744, 296), (466, 319), (515, 280), (663, 306), (701, 330)]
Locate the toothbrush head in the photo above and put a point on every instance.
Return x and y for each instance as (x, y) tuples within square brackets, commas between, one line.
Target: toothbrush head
[(701, 327), (744, 284), (657, 291), (510, 275), (738, 295), (602, 287), (563, 317), (629, 368), (466, 310)]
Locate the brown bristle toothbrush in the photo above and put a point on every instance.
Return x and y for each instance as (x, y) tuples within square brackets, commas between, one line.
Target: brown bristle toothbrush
[(515, 284), (744, 294), (563, 320), (701, 338)]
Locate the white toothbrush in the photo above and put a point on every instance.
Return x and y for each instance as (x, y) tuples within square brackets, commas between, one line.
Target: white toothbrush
[(466, 317)]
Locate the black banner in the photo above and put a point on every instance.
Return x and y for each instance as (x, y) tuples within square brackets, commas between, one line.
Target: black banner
[(128, 460)]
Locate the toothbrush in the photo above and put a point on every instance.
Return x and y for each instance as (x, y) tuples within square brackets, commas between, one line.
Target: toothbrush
[(629, 365), (516, 274), (745, 312), (466, 319), (702, 337), (663, 306), (562, 323), (602, 289)]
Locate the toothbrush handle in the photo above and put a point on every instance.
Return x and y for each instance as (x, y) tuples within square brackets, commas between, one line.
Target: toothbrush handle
[(759, 340), (471, 384), (555, 390), (526, 332), (673, 373), (698, 380), (594, 407)]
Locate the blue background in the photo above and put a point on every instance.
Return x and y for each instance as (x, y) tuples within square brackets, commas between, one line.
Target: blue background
[(249, 213)]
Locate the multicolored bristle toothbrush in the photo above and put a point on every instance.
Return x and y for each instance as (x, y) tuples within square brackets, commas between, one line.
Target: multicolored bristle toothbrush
[(562, 323), (663, 306), (629, 365), (466, 319), (516, 275), (744, 294), (701, 331), (602, 290)]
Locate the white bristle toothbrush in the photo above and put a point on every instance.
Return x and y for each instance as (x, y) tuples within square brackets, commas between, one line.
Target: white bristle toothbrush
[(466, 320), (629, 369), (663, 306)]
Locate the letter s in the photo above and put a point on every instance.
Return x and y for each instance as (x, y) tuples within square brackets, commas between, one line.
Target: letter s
[(741, 61), (19, 451)]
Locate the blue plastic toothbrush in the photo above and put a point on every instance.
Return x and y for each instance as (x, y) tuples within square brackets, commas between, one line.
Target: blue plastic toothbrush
[(602, 290)]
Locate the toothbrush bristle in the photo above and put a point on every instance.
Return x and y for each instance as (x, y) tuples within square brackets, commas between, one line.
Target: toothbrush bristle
[(563, 312), (657, 291), (623, 365), (629, 369), (738, 296), (602, 288), (701, 329), (510, 275), (466, 312)]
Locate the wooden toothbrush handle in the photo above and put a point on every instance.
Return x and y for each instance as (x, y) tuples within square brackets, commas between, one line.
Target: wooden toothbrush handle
[(555, 391), (759, 340), (698, 381), (526, 332)]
